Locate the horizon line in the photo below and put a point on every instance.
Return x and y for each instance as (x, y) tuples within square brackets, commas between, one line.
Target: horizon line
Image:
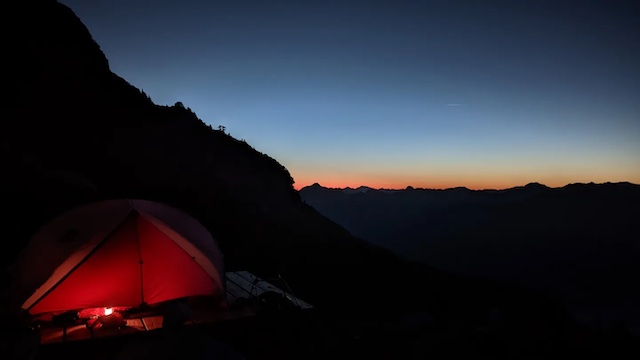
[(465, 187)]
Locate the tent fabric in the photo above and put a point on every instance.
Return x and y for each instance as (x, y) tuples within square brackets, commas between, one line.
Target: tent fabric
[(117, 253)]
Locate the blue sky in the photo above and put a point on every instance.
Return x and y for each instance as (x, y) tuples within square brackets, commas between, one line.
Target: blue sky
[(483, 94)]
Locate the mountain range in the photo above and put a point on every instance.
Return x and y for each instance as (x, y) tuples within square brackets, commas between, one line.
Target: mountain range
[(578, 243)]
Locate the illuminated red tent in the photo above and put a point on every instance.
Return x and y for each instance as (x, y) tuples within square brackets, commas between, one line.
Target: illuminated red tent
[(117, 253)]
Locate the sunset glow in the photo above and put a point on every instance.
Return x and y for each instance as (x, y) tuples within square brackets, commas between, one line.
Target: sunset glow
[(429, 94), (431, 182)]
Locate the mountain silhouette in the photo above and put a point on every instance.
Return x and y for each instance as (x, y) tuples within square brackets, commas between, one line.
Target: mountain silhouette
[(74, 132), (577, 243)]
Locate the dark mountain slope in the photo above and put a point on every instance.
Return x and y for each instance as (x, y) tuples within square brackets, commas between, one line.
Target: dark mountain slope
[(578, 243), (73, 120)]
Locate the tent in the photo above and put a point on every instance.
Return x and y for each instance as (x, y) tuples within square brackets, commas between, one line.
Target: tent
[(117, 253)]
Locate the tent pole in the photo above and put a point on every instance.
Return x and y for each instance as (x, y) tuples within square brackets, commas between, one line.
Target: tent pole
[(139, 257)]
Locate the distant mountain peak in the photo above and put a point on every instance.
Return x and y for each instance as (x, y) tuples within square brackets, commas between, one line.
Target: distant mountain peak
[(360, 189), (536, 185)]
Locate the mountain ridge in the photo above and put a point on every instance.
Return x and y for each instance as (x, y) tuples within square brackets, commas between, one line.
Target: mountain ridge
[(531, 185), (551, 239)]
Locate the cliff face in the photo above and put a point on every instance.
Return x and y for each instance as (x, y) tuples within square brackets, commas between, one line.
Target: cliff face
[(72, 121), (70, 110)]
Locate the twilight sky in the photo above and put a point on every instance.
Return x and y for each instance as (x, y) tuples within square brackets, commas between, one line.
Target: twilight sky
[(483, 94)]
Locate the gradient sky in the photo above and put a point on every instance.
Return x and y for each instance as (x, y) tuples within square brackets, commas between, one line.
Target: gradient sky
[(482, 94)]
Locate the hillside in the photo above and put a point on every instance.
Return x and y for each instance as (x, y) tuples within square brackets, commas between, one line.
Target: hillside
[(578, 243)]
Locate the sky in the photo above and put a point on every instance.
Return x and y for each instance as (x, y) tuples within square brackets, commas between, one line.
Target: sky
[(433, 94)]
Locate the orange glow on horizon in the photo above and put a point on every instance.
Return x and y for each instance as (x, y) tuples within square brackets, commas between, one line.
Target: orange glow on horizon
[(400, 182), (438, 184), (382, 184), (439, 174)]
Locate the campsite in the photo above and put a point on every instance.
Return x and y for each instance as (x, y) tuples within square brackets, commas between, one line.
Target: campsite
[(118, 269), (138, 229)]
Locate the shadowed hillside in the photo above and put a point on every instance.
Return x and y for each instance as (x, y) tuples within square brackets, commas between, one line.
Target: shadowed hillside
[(74, 132), (578, 243)]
